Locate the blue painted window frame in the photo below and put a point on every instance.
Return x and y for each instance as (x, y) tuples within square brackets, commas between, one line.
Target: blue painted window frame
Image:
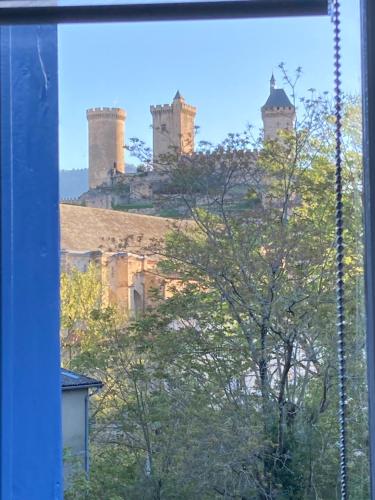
[(31, 452)]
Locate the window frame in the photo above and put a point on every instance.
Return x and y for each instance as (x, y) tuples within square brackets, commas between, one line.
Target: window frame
[(30, 386), (43, 249), (173, 11), (368, 121)]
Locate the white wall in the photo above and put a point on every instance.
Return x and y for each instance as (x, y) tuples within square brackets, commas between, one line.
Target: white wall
[(74, 431)]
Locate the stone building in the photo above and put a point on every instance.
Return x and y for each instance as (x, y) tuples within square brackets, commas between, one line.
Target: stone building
[(173, 127), (278, 113), (109, 184), (121, 244), (173, 134)]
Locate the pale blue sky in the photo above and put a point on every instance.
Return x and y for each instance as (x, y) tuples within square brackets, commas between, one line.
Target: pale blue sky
[(222, 67)]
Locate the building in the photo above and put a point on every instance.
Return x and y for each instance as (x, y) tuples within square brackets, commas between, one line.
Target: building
[(76, 391), (122, 244), (173, 127), (278, 113)]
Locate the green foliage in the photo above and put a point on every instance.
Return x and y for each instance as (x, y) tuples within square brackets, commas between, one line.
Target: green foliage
[(86, 320), (131, 206), (171, 213), (229, 388)]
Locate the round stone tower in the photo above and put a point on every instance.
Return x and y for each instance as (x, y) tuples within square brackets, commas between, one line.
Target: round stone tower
[(278, 113), (106, 144)]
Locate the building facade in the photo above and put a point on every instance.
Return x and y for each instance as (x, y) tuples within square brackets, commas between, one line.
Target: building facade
[(121, 245)]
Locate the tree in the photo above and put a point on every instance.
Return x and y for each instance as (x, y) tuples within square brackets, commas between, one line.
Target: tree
[(229, 388), (272, 266)]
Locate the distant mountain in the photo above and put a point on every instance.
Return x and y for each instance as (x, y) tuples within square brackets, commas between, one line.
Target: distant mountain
[(75, 182)]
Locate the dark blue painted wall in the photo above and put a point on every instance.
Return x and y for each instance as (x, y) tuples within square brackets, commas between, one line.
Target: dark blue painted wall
[(30, 374)]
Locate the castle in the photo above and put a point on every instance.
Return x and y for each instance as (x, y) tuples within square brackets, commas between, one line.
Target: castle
[(173, 128), (90, 234)]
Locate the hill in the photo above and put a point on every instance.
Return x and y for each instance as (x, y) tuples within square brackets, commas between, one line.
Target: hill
[(75, 182)]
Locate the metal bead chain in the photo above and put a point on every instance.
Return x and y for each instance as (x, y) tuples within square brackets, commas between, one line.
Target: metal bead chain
[(340, 254)]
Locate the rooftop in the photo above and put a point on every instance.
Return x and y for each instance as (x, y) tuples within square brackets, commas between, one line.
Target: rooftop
[(277, 99), (72, 380), (178, 96), (88, 229)]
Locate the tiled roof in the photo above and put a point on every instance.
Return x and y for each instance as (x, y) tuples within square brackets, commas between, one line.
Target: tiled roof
[(72, 380), (88, 229), (278, 99)]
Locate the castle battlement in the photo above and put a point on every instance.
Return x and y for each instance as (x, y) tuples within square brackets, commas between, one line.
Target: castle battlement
[(277, 109), (162, 108), (187, 108), (105, 112), (159, 108)]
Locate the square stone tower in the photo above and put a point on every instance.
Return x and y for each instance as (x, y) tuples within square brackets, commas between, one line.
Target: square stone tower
[(173, 128), (278, 113), (106, 144)]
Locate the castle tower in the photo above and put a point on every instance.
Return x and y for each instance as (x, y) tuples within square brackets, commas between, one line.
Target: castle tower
[(173, 128), (278, 113), (106, 144)]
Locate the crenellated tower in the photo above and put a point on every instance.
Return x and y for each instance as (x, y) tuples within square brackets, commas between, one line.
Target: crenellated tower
[(278, 113), (173, 128), (106, 144)]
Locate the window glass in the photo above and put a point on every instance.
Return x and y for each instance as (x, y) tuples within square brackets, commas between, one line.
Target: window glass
[(198, 256)]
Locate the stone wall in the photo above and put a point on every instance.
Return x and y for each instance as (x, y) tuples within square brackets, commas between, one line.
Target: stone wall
[(276, 119), (128, 280)]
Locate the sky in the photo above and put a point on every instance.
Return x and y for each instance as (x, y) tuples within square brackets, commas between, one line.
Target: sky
[(221, 67)]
